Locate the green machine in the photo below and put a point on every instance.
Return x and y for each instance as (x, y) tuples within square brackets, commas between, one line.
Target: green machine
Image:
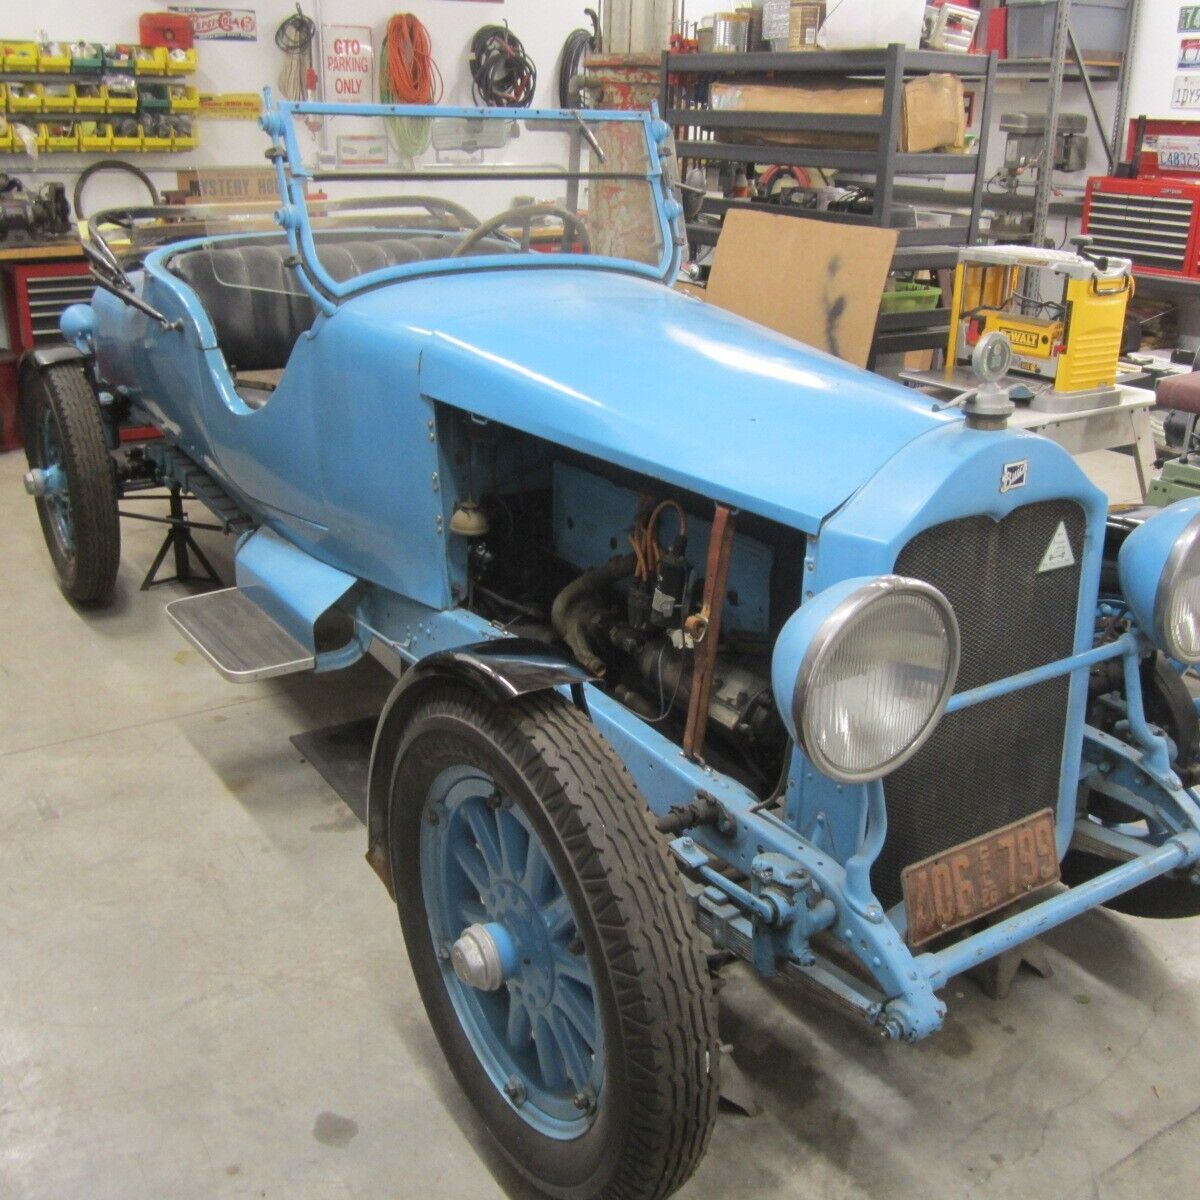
[(1180, 477)]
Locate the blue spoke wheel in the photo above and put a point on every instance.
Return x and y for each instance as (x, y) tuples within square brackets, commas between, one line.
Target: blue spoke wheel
[(73, 479), (549, 937)]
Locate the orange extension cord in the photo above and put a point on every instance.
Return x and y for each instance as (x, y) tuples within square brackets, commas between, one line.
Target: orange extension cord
[(412, 75), (409, 76)]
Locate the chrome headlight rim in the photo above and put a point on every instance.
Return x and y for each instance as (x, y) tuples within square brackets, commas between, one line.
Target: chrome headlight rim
[(826, 638), (1168, 580)]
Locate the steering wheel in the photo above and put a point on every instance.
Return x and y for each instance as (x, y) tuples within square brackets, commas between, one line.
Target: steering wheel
[(523, 216)]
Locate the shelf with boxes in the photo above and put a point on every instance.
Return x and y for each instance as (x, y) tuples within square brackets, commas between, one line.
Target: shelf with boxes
[(80, 59), (875, 114), (85, 97)]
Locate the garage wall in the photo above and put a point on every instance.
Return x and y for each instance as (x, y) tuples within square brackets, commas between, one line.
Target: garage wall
[(246, 66), (226, 66)]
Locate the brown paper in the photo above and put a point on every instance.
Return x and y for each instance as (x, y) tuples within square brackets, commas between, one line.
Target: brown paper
[(819, 282)]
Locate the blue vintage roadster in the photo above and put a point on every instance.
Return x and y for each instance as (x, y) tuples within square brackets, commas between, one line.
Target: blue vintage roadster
[(709, 645)]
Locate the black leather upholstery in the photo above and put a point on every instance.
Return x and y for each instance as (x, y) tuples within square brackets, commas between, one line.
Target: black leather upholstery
[(257, 305)]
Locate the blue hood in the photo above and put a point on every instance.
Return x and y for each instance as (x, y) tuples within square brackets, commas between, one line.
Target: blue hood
[(642, 376)]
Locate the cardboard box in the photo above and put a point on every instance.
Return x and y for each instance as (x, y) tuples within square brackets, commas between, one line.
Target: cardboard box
[(819, 282), (933, 113)]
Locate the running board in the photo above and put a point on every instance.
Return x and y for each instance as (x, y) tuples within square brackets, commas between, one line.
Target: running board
[(237, 637)]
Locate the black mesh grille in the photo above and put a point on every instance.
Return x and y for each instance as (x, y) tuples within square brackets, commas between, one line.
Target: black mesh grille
[(1000, 760)]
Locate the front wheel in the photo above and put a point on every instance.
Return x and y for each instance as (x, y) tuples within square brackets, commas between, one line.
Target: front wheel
[(73, 479), (549, 939)]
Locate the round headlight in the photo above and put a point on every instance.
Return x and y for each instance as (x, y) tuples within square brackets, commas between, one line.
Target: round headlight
[(874, 676), (1177, 600)]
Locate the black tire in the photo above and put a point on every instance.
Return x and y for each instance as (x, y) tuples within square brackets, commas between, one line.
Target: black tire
[(655, 1111), (64, 421)]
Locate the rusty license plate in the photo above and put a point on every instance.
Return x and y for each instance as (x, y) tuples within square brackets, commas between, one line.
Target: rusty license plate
[(970, 881)]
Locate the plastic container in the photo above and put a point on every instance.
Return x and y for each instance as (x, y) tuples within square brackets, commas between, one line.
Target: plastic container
[(24, 97), (153, 96), (95, 135), (54, 56), (184, 97), (872, 24), (150, 60), (130, 139), (181, 62), (6, 136), (903, 296), (91, 97), (156, 137), (57, 137), (20, 56), (58, 97), (87, 56), (1100, 26), (120, 97), (119, 57)]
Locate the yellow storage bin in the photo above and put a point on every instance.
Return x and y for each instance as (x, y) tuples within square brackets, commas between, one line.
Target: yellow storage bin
[(127, 141), (24, 97), (184, 97), (119, 98), (156, 141), (181, 62), (58, 97), (184, 141), (95, 135), (150, 60), (6, 140), (54, 56), (91, 97), (20, 56), (58, 137)]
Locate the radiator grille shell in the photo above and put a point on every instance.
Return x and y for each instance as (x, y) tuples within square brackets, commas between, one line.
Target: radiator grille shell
[(998, 761)]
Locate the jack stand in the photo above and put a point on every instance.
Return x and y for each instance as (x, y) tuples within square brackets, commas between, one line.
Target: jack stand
[(179, 539), (995, 977)]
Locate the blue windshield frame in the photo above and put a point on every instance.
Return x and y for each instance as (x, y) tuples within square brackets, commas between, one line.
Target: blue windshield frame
[(278, 122)]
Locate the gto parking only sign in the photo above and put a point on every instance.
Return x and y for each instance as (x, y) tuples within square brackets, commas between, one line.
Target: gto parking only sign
[(348, 63)]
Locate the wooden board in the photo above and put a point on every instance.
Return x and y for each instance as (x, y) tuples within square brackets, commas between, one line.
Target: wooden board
[(819, 282)]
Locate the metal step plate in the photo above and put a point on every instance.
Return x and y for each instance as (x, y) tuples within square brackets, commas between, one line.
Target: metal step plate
[(237, 637)]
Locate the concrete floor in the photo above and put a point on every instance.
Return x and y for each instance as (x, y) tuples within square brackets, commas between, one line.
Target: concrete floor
[(204, 993)]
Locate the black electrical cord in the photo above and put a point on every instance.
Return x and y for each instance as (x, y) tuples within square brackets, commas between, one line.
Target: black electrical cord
[(502, 73), (110, 164), (295, 36), (579, 42)]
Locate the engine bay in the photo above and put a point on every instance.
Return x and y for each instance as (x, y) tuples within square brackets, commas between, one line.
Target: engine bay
[(612, 566)]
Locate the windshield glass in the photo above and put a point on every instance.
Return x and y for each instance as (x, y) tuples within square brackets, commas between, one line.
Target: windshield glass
[(410, 194)]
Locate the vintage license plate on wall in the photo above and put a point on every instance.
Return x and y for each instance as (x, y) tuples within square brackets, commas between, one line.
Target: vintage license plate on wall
[(979, 877)]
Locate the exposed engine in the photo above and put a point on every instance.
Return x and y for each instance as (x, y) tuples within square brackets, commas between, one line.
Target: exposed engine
[(614, 568)]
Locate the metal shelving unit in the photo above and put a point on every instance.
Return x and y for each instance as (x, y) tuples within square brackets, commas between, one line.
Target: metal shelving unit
[(684, 104)]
